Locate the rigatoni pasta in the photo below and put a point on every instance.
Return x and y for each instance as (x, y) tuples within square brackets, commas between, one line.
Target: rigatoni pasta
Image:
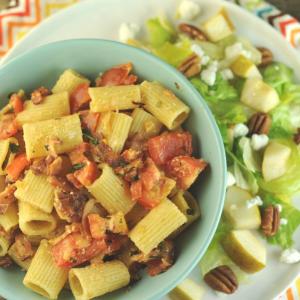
[(111, 192), (158, 224), (68, 81), (33, 221), (98, 279), (163, 104), (64, 133), (43, 276), (36, 191), (86, 174), (53, 106), (115, 98)]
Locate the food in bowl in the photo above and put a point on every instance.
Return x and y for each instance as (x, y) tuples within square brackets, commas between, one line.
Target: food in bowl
[(94, 182)]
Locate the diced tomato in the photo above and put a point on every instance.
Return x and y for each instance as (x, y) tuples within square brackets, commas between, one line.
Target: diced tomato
[(164, 147), (17, 166), (185, 170), (118, 75), (76, 249), (88, 174), (136, 190), (80, 98), (150, 199), (97, 226), (150, 175), (8, 127), (17, 103), (89, 120), (78, 155)]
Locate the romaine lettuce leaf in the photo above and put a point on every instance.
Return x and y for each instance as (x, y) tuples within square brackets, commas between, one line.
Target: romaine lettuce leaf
[(289, 183), (284, 236)]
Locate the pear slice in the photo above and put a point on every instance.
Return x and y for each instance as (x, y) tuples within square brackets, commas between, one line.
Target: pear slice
[(245, 68), (259, 95), (237, 212), (187, 290), (275, 161), (218, 26), (245, 250)]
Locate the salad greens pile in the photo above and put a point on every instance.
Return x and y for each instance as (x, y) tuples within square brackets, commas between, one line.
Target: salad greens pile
[(223, 98)]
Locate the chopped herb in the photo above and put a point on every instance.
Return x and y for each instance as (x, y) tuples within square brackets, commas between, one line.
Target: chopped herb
[(14, 148), (46, 147), (88, 136), (190, 211), (78, 166)]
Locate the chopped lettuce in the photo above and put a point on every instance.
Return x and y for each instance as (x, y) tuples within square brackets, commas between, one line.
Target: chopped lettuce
[(214, 51), (278, 75), (289, 183), (174, 54), (160, 31), (284, 236)]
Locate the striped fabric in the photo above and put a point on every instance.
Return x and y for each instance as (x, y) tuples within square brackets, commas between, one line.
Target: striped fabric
[(20, 16)]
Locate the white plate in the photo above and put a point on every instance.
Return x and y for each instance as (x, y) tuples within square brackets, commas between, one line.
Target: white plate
[(101, 19)]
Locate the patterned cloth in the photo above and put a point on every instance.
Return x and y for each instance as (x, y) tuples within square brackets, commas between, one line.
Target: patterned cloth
[(19, 16)]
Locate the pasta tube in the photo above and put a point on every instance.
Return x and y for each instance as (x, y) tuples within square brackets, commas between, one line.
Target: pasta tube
[(98, 279), (163, 104), (158, 224)]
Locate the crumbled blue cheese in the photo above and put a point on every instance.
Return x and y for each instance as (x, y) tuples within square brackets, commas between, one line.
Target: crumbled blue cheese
[(290, 256), (209, 75), (128, 31), (259, 141), (227, 74), (240, 130), (204, 59), (254, 201), (279, 207), (235, 50), (230, 179), (283, 221), (188, 10)]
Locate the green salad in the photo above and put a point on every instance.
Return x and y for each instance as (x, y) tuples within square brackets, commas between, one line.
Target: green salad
[(256, 104)]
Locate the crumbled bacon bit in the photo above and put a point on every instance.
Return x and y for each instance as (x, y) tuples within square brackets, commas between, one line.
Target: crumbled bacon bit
[(6, 198), (72, 179), (5, 261), (39, 94), (23, 247)]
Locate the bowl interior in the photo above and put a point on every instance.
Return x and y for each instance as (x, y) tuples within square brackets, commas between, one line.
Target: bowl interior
[(43, 65)]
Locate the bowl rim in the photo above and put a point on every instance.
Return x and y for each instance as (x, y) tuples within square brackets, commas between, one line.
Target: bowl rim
[(160, 292)]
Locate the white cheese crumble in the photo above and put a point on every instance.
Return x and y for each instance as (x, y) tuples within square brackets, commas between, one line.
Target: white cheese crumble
[(128, 31), (230, 179), (240, 130), (254, 201), (209, 75), (188, 10), (227, 74), (283, 221), (279, 207), (204, 59), (259, 141), (233, 51), (290, 256)]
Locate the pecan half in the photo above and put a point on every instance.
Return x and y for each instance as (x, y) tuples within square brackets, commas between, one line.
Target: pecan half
[(192, 31), (297, 137), (266, 56), (222, 279), (5, 261), (259, 123), (191, 66), (270, 220)]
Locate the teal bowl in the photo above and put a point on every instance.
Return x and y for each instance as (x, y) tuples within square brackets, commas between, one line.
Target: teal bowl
[(43, 65)]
